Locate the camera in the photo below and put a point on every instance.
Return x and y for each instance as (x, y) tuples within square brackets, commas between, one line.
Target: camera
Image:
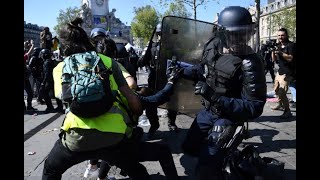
[(272, 45)]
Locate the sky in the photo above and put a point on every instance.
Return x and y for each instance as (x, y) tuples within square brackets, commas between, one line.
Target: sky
[(45, 12)]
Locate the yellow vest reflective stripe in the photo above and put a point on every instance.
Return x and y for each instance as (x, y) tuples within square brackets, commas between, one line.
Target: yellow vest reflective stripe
[(112, 121)]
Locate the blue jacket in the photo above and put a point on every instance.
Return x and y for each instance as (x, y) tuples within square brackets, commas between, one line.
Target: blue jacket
[(159, 98)]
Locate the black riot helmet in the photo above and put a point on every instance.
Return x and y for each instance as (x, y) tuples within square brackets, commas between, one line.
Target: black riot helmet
[(98, 32), (235, 18), (236, 23), (36, 51), (45, 54)]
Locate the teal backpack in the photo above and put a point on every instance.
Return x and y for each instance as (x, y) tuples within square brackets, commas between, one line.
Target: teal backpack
[(86, 85)]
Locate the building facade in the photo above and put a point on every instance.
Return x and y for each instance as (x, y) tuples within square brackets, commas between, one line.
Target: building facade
[(32, 31), (268, 29)]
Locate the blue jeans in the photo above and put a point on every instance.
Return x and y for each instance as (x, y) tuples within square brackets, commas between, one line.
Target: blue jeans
[(210, 156), (292, 87)]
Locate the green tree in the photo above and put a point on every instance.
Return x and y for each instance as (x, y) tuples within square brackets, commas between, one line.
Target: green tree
[(177, 9), (286, 19), (145, 20), (194, 4), (66, 16)]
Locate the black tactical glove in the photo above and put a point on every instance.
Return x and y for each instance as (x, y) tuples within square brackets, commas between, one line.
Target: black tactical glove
[(203, 89), (174, 73)]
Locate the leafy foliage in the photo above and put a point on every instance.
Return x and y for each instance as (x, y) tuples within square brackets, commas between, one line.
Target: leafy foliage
[(177, 9), (66, 16), (144, 22), (286, 19), (194, 4)]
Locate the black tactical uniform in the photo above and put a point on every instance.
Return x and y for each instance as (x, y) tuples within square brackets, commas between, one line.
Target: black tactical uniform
[(150, 58), (232, 82), (47, 78), (36, 68)]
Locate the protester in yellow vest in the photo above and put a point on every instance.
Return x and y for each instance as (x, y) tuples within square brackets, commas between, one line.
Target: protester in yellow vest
[(57, 74), (152, 151), (102, 137)]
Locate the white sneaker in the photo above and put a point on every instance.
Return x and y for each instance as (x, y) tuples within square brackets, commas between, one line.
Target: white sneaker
[(89, 173), (109, 178)]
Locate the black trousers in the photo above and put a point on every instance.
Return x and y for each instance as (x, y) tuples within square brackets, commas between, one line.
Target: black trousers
[(27, 87), (61, 158), (148, 151), (44, 93), (172, 116), (152, 112)]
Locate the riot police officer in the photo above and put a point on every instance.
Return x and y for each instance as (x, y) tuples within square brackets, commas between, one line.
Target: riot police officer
[(36, 68), (47, 79), (232, 82), (150, 58)]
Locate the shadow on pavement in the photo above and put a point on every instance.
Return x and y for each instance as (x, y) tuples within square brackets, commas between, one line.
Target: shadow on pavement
[(33, 131), (274, 146), (275, 118), (173, 139), (268, 144)]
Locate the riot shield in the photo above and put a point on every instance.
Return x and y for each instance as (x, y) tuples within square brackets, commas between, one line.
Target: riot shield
[(182, 39)]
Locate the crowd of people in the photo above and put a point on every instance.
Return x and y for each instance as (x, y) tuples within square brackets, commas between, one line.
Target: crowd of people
[(231, 80)]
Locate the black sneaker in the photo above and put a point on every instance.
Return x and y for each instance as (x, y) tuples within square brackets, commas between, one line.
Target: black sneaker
[(293, 105), (59, 110), (173, 127), (286, 115), (49, 110), (30, 108)]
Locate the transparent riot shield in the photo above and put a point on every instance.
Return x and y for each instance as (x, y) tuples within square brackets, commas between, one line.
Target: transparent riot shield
[(182, 40)]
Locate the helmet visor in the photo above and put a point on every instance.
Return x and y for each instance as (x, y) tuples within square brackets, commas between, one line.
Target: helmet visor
[(98, 32), (238, 40)]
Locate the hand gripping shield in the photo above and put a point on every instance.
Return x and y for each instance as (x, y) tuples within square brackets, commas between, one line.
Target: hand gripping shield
[(182, 41)]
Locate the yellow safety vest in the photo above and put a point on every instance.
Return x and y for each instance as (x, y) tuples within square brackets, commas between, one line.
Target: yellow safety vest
[(112, 121), (57, 74), (54, 45)]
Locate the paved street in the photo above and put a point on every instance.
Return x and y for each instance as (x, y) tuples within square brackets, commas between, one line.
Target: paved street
[(274, 137)]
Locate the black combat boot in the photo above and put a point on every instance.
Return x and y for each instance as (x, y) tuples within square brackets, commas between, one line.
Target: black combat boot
[(172, 116)]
